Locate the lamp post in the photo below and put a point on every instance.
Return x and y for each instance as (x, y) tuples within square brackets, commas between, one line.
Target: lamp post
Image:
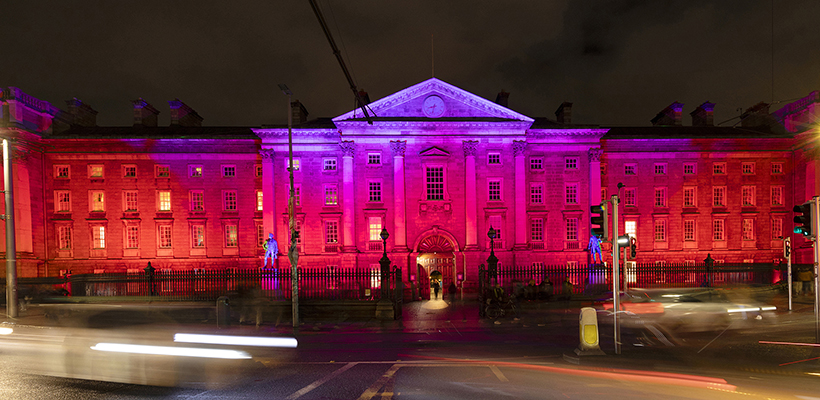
[(293, 253), (385, 265), (492, 260), (11, 245)]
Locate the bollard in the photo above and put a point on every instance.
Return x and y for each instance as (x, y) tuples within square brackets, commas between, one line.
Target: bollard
[(589, 333), (223, 312)]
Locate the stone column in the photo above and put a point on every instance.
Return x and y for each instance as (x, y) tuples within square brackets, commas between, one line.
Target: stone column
[(348, 196), (268, 193), (399, 234), (595, 176), (471, 214), (520, 195)]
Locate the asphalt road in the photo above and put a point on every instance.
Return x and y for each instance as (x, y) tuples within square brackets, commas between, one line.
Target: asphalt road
[(521, 359)]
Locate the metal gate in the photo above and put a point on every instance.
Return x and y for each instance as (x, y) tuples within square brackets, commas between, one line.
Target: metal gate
[(444, 263)]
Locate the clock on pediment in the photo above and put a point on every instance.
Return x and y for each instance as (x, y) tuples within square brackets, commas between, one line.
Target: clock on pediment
[(433, 106)]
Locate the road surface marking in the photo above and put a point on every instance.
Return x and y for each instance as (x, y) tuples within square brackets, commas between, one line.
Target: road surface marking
[(498, 373), (301, 392), (376, 386)]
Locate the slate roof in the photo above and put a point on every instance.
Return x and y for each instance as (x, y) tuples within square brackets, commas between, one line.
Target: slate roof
[(159, 132)]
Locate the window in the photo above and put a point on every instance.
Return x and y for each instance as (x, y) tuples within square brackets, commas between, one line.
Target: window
[(660, 197), (162, 171), (229, 171), (331, 232), (748, 196), (690, 196), (329, 164), (435, 183), (630, 169), (689, 230), (572, 229), (96, 171), (164, 200), (231, 236), (494, 159), (777, 228), (603, 168), (331, 195), (62, 201), (537, 230), (777, 195), (571, 193), (130, 200), (603, 194), (98, 236), (689, 168), (132, 237), (62, 172), (258, 171), (748, 229), (198, 236), (64, 237), (297, 195), (536, 164), (260, 236), (129, 171), (494, 190), (374, 189), (660, 230), (97, 202), (197, 200), (496, 223), (259, 203), (777, 168), (229, 200), (297, 164), (164, 236), (748, 168), (660, 169), (537, 194), (719, 168), (195, 171), (629, 197), (374, 226), (719, 196), (718, 231), (571, 163), (374, 158), (631, 228)]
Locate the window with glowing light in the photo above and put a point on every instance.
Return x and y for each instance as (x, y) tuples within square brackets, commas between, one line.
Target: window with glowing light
[(97, 201), (98, 236), (96, 171), (259, 203), (631, 228), (164, 200), (374, 225), (329, 164), (195, 171), (331, 195)]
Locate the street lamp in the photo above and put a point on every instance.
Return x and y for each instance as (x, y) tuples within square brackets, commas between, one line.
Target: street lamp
[(385, 264), (492, 260), (293, 253)]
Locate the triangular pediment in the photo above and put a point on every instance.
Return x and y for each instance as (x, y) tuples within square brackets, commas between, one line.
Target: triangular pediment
[(434, 151), (458, 104)]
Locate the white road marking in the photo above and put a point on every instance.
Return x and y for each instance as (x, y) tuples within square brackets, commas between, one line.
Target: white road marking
[(498, 373), (301, 392)]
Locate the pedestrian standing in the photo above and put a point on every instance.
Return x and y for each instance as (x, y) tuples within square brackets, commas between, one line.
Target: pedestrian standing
[(451, 290), (436, 288)]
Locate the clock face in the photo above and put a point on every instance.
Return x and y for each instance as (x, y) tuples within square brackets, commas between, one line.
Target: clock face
[(433, 106)]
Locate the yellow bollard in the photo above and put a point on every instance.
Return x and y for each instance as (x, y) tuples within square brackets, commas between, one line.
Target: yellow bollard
[(588, 329)]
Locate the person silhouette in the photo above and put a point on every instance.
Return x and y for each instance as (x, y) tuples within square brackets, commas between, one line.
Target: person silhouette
[(595, 248), (271, 250)]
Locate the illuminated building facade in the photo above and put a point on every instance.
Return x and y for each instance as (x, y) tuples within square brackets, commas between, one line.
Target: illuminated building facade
[(437, 167)]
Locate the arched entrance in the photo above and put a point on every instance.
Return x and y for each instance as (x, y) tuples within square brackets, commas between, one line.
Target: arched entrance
[(436, 261)]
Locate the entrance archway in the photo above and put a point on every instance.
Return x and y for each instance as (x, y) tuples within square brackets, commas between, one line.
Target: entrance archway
[(436, 261)]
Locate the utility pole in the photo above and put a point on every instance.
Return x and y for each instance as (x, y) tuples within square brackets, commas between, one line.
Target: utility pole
[(293, 250), (616, 292), (11, 246)]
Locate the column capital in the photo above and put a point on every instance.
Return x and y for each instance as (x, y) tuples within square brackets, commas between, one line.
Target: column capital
[(267, 155), (518, 147), (595, 154), (398, 147), (469, 147), (348, 148)]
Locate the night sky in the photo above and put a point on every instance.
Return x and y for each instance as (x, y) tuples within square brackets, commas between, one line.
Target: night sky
[(619, 62)]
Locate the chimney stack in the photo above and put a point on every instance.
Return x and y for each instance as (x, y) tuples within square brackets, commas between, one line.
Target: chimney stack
[(502, 98), (703, 115), (182, 115), (669, 116), (298, 112), (756, 116), (564, 113), (144, 113), (81, 114)]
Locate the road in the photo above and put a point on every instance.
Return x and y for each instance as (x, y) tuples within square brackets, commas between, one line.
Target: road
[(521, 359)]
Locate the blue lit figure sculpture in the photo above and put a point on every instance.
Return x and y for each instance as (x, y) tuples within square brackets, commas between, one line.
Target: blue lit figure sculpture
[(271, 250), (595, 248)]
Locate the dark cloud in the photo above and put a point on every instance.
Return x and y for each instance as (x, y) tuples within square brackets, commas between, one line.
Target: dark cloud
[(620, 62)]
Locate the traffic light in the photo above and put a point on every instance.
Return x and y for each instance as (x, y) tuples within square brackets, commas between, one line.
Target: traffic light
[(633, 248), (601, 219), (787, 249), (804, 222)]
